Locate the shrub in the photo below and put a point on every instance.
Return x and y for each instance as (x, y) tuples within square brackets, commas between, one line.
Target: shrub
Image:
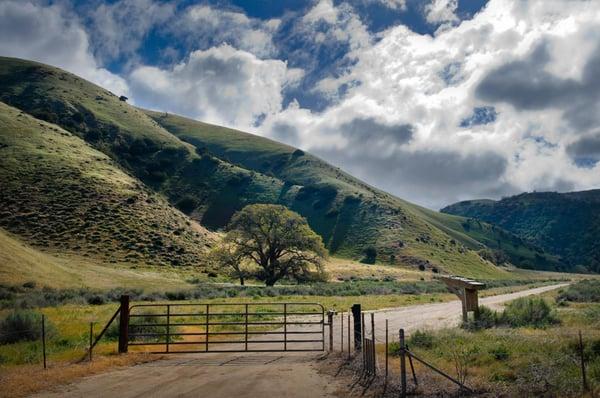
[(500, 352), (487, 319), (23, 326), (583, 291), (422, 339), (529, 311), (370, 255)]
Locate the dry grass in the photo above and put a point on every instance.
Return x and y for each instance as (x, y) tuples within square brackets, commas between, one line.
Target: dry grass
[(26, 380)]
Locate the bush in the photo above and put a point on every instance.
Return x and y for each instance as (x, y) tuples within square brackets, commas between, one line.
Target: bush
[(422, 339), (23, 326), (529, 311), (500, 352), (370, 255), (487, 319), (584, 291)]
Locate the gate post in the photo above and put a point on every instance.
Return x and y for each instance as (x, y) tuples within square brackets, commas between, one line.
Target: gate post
[(356, 314), (124, 324), (330, 314)]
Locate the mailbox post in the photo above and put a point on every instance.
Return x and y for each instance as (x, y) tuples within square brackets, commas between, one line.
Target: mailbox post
[(466, 289)]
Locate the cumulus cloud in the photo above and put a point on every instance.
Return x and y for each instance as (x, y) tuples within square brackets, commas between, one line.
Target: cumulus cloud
[(47, 34), (117, 29), (585, 151), (209, 26), (441, 11), (220, 85)]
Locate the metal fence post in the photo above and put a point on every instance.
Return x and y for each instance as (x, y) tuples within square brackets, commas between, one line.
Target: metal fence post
[(362, 319), (285, 327), (583, 375), (246, 330), (373, 337), (330, 321), (402, 365), (91, 339), (356, 311), (348, 335), (342, 332), (124, 325), (44, 339), (386, 350), (168, 337)]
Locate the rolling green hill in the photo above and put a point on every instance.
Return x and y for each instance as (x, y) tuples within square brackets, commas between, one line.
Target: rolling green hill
[(60, 194), (565, 224), (209, 172)]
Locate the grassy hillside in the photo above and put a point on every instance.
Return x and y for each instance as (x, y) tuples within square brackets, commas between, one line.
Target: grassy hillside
[(567, 224), (60, 194), (209, 172)]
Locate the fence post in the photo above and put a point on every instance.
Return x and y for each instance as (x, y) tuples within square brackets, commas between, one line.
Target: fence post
[(581, 354), (402, 365), (246, 329), (44, 339), (362, 323), (348, 335), (373, 338), (342, 331), (168, 336), (356, 311), (124, 324), (386, 350), (91, 339)]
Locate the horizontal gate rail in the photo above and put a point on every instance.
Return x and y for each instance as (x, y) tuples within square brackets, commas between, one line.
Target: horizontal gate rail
[(203, 328)]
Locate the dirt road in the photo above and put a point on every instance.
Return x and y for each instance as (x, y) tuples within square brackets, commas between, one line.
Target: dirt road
[(269, 375)]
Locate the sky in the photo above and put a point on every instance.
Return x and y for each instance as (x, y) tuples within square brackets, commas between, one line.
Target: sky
[(434, 101)]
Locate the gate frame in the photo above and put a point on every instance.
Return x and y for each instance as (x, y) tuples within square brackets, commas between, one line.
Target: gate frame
[(125, 334)]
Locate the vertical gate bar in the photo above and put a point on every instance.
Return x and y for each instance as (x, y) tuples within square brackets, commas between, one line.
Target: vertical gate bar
[(206, 329), (246, 334), (285, 327), (168, 326), (342, 331), (322, 329)]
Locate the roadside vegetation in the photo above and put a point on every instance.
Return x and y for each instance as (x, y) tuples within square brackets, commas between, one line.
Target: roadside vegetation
[(531, 348)]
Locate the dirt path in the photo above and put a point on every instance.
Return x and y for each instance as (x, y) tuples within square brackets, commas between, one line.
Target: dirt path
[(431, 316), (259, 375)]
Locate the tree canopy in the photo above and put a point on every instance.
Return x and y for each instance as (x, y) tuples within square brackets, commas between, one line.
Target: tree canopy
[(277, 240)]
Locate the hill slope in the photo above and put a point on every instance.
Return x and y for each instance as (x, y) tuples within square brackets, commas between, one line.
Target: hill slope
[(210, 172), (60, 194), (565, 224)]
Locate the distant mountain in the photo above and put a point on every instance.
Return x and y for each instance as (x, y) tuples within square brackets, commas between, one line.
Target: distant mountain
[(564, 224), (209, 172)]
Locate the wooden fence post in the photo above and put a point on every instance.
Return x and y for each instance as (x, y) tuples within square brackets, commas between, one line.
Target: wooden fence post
[(349, 335), (373, 338), (124, 325), (402, 365), (330, 320)]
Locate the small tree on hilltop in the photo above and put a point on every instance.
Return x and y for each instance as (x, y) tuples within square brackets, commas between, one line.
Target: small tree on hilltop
[(279, 241)]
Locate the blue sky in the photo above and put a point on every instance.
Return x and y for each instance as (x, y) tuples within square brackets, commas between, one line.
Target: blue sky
[(432, 100)]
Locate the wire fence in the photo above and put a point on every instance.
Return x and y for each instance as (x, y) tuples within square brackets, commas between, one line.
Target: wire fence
[(386, 364)]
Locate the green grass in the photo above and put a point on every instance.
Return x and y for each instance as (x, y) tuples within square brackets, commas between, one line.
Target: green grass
[(59, 194), (210, 172)]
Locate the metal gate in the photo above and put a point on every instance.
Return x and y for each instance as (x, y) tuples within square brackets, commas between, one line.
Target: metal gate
[(225, 327)]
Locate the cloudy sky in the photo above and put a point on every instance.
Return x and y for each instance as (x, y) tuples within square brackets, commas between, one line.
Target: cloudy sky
[(432, 100)]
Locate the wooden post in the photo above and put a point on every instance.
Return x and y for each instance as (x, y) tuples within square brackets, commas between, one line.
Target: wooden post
[(124, 325), (91, 339), (464, 306), (362, 318), (581, 354), (356, 311), (44, 339), (402, 365)]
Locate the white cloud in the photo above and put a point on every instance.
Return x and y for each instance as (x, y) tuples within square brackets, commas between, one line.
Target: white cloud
[(441, 11), (404, 80), (208, 25), (221, 85), (117, 29), (47, 34)]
